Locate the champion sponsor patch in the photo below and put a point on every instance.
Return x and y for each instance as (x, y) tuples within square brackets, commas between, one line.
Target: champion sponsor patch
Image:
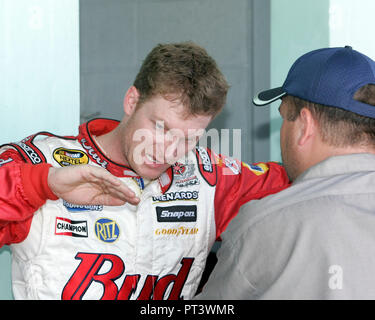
[(177, 214), (67, 227)]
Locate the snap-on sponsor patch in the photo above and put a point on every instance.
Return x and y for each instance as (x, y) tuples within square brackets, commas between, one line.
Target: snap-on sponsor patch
[(177, 214)]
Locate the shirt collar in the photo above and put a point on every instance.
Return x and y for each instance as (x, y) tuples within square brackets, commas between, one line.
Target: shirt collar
[(338, 165)]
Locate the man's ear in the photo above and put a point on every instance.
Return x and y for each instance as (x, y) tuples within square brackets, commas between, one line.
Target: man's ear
[(307, 127), (130, 100)]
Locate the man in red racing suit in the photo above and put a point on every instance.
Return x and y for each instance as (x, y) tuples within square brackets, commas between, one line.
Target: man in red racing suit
[(31, 211), (86, 220)]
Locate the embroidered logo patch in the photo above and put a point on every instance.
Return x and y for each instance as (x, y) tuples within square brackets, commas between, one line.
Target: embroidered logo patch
[(107, 230), (67, 227), (68, 157), (176, 214)]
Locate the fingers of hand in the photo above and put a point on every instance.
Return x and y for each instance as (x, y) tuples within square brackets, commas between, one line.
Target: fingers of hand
[(99, 174), (111, 185), (121, 192)]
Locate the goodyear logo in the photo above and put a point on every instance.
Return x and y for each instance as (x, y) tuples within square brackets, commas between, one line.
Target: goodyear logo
[(176, 231), (68, 157), (107, 230)]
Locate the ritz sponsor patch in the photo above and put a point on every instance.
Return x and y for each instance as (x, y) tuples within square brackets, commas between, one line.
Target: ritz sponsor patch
[(107, 230), (177, 214), (67, 157)]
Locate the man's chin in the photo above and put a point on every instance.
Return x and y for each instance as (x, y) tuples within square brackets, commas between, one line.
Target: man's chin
[(151, 172)]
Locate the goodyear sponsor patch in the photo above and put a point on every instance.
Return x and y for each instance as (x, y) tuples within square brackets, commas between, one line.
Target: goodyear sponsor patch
[(180, 231), (107, 230), (68, 157)]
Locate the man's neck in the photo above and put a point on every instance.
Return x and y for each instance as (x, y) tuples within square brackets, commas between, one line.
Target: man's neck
[(109, 144)]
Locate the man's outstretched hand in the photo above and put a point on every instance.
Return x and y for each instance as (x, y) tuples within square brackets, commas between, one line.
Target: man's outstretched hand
[(89, 185)]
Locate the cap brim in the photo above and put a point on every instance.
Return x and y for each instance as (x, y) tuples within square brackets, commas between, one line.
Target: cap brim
[(268, 96)]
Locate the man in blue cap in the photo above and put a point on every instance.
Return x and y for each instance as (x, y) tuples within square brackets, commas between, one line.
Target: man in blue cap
[(316, 239)]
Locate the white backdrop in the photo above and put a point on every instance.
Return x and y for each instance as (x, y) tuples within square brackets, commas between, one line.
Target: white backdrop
[(39, 78), (352, 23)]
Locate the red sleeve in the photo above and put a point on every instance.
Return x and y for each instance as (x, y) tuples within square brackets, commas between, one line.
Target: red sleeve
[(24, 189), (239, 182)]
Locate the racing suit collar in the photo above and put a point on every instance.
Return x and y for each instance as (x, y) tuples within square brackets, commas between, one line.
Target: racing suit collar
[(98, 127)]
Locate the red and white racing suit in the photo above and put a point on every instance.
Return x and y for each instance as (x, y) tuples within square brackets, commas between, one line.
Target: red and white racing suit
[(155, 250)]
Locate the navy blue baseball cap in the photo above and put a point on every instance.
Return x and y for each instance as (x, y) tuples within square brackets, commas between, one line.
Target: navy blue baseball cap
[(329, 76)]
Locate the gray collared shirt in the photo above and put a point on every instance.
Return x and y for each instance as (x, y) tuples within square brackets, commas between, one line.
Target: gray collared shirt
[(314, 240)]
